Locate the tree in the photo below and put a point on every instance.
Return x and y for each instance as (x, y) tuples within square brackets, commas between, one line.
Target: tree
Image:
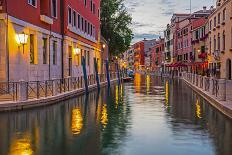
[(115, 25)]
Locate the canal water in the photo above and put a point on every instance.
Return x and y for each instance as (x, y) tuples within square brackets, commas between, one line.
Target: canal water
[(150, 116)]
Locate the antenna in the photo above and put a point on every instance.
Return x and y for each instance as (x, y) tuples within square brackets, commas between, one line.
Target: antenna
[(190, 7)]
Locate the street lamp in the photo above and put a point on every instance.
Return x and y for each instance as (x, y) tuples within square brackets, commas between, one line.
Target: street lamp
[(21, 39), (77, 51)]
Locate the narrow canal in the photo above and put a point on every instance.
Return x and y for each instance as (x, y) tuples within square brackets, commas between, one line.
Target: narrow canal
[(150, 116)]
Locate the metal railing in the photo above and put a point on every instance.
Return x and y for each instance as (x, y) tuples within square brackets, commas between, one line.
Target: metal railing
[(9, 91)]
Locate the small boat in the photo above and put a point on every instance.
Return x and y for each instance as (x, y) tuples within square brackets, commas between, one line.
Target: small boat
[(127, 79)]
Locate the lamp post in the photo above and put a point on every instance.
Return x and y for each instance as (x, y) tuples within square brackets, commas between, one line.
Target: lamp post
[(21, 39)]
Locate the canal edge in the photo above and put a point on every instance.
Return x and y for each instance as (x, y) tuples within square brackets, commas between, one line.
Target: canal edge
[(214, 102), (35, 103)]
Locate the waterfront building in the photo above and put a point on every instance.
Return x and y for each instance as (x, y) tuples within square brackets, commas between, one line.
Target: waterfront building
[(148, 44), (139, 56), (129, 58), (199, 62), (220, 40), (157, 55), (45, 39), (168, 48), (104, 55)]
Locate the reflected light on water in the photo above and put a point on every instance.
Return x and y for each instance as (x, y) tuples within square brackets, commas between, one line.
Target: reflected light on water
[(166, 93), (116, 96), (21, 146), (104, 117), (148, 84), (77, 121), (137, 82), (198, 109)]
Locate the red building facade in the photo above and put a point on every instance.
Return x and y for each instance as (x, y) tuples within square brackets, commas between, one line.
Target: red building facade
[(56, 33), (157, 55), (139, 55)]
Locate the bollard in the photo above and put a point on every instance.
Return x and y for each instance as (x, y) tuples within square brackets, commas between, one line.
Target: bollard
[(55, 87), (211, 85), (23, 95), (221, 91), (229, 90)]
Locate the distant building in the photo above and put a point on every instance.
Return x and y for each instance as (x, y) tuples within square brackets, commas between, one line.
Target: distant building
[(148, 44), (168, 50), (157, 55), (139, 55)]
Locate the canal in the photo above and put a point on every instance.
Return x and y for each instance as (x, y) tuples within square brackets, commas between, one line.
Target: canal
[(150, 116)]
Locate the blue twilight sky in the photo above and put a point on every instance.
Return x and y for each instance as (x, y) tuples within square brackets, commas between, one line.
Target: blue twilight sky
[(151, 16)]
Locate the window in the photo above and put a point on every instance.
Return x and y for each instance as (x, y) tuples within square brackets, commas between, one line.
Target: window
[(215, 21), (224, 14), (54, 53), (94, 8), (32, 49), (210, 25), (74, 19), (88, 58), (32, 2), (219, 18), (82, 23), (91, 5), (224, 41), (70, 16), (54, 8), (79, 21), (91, 30), (44, 50), (214, 43), (219, 39), (88, 28), (85, 2), (86, 25), (210, 45)]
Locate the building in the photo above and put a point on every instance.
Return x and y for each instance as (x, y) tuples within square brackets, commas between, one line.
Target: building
[(157, 55), (104, 55), (168, 50), (220, 40), (148, 44), (199, 62), (139, 55), (43, 39), (129, 58)]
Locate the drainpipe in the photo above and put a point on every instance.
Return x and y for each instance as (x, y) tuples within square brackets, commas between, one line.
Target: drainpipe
[(7, 45), (62, 34)]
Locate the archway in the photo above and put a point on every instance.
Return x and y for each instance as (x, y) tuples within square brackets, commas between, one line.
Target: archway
[(229, 69)]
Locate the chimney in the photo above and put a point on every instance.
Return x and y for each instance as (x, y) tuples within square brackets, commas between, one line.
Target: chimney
[(204, 8)]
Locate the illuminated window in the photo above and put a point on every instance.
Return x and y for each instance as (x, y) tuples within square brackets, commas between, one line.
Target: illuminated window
[(44, 50), (54, 53), (32, 49)]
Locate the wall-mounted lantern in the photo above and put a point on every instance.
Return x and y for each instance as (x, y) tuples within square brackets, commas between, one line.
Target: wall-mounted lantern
[(21, 39), (77, 51), (103, 46)]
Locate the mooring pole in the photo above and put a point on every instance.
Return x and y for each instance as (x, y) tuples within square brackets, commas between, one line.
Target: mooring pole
[(107, 73), (96, 72), (118, 73), (85, 75)]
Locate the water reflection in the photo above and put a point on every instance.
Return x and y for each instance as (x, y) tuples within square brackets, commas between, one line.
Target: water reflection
[(21, 145), (150, 112), (77, 121)]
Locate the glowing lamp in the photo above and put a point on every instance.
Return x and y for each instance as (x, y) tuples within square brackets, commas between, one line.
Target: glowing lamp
[(21, 38), (103, 46), (77, 51)]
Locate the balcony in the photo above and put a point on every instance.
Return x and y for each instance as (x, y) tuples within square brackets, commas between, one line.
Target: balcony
[(202, 56), (46, 19)]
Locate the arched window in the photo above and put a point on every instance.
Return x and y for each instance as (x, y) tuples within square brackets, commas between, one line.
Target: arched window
[(214, 43), (224, 41), (219, 39), (210, 45)]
